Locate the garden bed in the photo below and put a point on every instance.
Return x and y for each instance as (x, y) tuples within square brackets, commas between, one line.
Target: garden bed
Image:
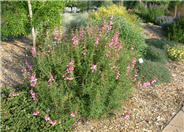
[(149, 108)]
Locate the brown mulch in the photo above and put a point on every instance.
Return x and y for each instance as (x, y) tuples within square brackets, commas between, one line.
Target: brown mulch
[(13, 56)]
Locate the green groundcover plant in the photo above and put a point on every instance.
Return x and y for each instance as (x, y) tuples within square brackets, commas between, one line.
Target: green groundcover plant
[(153, 71)]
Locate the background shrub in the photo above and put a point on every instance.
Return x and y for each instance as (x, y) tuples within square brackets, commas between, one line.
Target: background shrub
[(115, 10), (175, 30), (151, 12), (15, 15), (129, 35), (149, 70)]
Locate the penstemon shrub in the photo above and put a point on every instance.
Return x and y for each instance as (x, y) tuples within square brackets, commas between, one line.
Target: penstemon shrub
[(86, 75)]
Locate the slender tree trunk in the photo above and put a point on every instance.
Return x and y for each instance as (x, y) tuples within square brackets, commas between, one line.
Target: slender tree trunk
[(33, 32), (175, 11)]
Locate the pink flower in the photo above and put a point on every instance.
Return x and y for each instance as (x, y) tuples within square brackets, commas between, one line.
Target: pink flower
[(93, 67), (154, 81), (75, 40), (33, 95), (139, 83), (14, 94), (72, 114), (33, 51), (68, 78), (146, 84), (132, 48), (33, 80), (96, 43), (83, 52), (52, 122), (47, 118), (109, 27), (135, 76), (36, 113), (114, 67), (28, 66), (117, 74), (51, 77), (59, 122), (47, 34), (133, 60), (111, 17), (128, 69)]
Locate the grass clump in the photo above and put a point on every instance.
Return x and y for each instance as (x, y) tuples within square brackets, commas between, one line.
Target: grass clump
[(156, 55), (149, 70)]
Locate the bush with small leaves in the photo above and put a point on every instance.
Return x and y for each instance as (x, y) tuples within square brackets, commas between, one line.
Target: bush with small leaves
[(149, 70), (156, 55)]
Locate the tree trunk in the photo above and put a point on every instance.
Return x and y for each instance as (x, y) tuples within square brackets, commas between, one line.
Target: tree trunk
[(33, 32), (175, 11)]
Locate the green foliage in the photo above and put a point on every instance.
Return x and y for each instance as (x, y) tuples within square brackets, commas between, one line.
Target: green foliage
[(175, 30), (150, 13), (129, 35), (156, 55), (161, 44), (15, 19), (149, 70), (46, 15), (17, 113), (92, 93)]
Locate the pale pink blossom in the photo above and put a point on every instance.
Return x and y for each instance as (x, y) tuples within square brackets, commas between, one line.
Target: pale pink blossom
[(14, 94), (135, 76), (28, 66), (154, 81), (59, 122), (132, 48), (133, 60), (146, 84), (109, 27), (113, 67), (52, 122), (72, 114), (34, 51), (139, 83), (33, 95), (128, 69), (33, 80), (47, 34), (68, 78), (96, 42), (93, 67), (117, 74), (47, 118), (36, 113), (84, 52)]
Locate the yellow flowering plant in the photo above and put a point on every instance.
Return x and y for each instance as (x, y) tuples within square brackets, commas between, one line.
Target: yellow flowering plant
[(115, 10), (175, 52)]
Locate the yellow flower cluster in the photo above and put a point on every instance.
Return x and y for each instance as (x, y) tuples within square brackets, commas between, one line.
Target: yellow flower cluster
[(114, 10), (175, 54)]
